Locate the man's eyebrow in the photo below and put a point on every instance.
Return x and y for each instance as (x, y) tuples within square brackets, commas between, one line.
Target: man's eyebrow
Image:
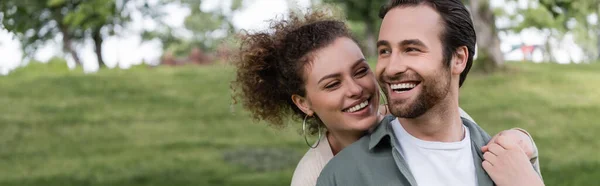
[(383, 43), (416, 42)]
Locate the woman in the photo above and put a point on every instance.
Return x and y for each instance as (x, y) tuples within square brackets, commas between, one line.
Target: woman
[(306, 68)]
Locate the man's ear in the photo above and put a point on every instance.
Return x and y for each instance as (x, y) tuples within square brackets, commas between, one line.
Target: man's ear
[(303, 104), (459, 60)]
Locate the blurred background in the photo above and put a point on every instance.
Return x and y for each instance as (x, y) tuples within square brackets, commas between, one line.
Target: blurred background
[(137, 92)]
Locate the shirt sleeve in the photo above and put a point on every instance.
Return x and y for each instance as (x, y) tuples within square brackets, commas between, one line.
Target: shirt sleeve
[(535, 156)]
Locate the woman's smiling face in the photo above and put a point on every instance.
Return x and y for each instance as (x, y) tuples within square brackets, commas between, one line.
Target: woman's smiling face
[(340, 88)]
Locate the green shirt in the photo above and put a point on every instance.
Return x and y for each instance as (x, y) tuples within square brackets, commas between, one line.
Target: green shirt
[(374, 160)]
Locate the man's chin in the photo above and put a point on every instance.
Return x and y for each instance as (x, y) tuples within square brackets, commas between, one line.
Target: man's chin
[(408, 111), (408, 115)]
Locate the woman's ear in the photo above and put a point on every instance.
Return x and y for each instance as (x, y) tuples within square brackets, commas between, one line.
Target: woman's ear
[(303, 104)]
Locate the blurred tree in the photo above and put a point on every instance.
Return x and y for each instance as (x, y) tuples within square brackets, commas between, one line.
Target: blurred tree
[(35, 22), (363, 12), (557, 18), (573, 18), (206, 29), (597, 15), (489, 55), (92, 16)]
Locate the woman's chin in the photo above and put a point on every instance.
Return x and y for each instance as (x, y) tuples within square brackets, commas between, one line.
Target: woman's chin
[(364, 124)]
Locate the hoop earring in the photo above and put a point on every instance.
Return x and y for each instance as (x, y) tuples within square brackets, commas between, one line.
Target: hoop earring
[(304, 134)]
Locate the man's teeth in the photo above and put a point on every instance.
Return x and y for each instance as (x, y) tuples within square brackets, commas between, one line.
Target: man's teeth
[(358, 107), (403, 86)]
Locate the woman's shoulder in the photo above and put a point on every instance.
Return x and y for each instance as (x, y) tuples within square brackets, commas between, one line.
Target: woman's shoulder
[(312, 163)]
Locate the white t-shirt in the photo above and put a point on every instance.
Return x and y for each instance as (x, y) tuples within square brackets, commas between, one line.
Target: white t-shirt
[(437, 163)]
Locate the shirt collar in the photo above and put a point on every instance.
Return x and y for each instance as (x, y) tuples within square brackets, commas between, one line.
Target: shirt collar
[(383, 129)]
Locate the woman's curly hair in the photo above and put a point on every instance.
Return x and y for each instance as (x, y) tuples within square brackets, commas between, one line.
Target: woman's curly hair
[(270, 65)]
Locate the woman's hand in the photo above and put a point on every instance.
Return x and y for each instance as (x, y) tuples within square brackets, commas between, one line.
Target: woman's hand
[(522, 139), (507, 164), (381, 112)]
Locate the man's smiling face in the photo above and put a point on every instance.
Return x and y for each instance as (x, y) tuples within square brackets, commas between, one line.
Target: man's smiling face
[(410, 66)]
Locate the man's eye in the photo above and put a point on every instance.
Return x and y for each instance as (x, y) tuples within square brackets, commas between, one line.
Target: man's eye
[(410, 49), (384, 51)]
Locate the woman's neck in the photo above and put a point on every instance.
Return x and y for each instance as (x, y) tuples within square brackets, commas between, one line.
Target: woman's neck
[(338, 142)]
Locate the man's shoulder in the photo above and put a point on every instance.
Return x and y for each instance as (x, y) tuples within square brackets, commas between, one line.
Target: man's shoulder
[(477, 133), (362, 149), (355, 151), (358, 164), (345, 164)]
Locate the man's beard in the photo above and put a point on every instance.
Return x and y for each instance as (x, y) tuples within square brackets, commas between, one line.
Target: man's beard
[(433, 91)]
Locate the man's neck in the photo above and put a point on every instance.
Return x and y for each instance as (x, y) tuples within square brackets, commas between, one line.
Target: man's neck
[(441, 123)]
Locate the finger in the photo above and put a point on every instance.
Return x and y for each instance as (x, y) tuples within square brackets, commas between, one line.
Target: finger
[(487, 166), (525, 141), (383, 109), (525, 147), (490, 157), (517, 136), (507, 142), (493, 140), (484, 149), (495, 149)]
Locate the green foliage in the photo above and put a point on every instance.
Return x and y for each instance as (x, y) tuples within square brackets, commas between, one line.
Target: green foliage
[(176, 126), (209, 28), (55, 3), (364, 13), (560, 17), (35, 22)]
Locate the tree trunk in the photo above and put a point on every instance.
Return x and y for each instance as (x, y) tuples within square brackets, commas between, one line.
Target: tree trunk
[(67, 44), (598, 43), (370, 39), (549, 58), (488, 42), (98, 47), (598, 32)]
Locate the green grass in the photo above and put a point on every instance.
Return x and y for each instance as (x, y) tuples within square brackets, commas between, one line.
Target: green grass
[(176, 126)]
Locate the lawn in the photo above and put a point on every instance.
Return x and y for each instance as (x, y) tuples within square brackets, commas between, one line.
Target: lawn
[(177, 126)]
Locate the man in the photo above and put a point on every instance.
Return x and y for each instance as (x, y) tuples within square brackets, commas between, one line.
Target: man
[(426, 49)]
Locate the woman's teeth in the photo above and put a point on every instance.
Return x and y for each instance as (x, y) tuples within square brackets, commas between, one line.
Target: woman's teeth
[(403, 87), (358, 107)]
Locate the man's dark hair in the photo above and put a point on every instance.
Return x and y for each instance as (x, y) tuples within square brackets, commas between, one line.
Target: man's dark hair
[(458, 27)]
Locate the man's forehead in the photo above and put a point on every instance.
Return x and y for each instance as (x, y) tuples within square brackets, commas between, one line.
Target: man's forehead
[(410, 22)]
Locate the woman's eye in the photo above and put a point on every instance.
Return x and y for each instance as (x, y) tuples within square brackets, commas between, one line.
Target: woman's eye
[(332, 85), (362, 71)]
